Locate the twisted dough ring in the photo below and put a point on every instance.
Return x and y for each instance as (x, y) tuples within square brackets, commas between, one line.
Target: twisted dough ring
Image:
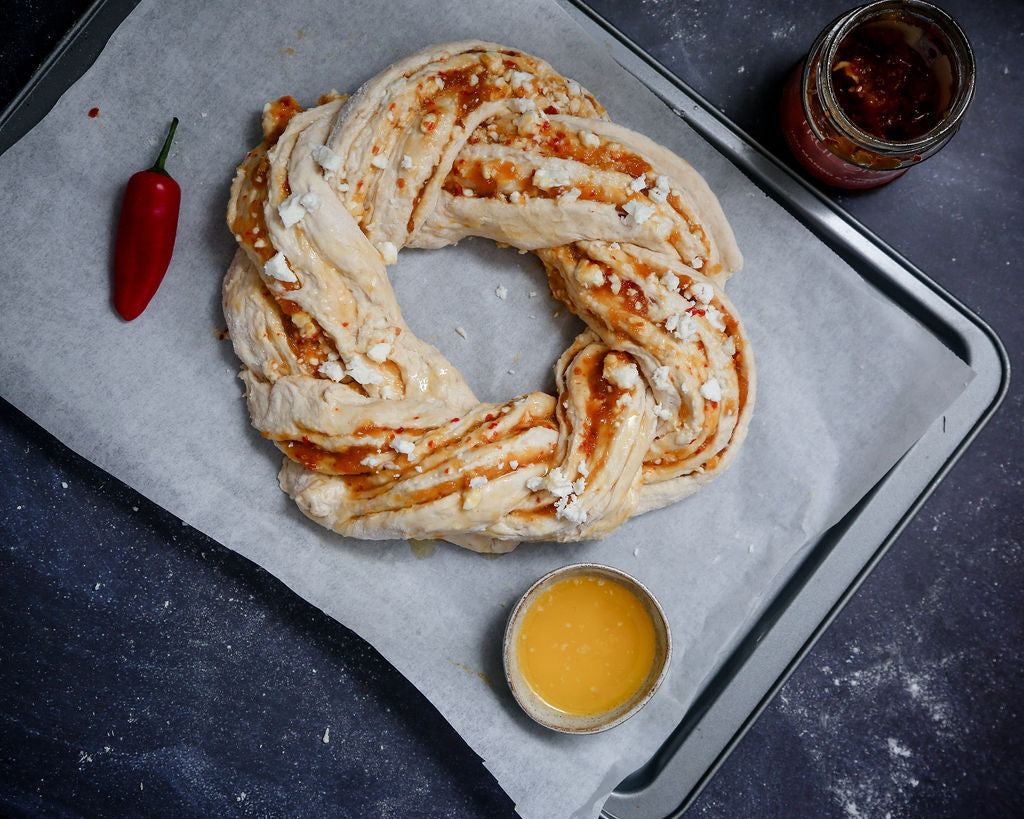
[(383, 437)]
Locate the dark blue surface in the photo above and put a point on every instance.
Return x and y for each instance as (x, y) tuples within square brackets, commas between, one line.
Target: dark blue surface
[(145, 670)]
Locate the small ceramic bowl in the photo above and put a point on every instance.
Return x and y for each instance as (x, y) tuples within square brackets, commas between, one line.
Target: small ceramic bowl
[(557, 720)]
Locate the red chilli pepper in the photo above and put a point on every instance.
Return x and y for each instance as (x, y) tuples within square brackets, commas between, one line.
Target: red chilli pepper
[(145, 234)]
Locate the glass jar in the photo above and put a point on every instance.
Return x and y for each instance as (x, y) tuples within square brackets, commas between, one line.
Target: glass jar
[(884, 86)]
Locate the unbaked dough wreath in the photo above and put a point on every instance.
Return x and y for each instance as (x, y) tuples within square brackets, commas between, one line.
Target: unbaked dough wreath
[(382, 436)]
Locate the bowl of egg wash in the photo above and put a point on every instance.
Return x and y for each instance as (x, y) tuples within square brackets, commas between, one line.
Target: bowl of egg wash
[(585, 648)]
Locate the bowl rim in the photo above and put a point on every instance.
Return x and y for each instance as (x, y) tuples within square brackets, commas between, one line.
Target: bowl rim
[(555, 720)]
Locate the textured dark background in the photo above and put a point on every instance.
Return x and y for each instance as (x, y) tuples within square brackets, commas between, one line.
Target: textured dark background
[(145, 670)]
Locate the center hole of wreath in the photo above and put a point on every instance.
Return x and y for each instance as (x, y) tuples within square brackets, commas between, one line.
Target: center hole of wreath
[(511, 343)]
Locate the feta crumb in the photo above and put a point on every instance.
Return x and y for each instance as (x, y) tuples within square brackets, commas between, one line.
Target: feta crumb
[(697, 263), (406, 162), (729, 348), (477, 482), (372, 461), (662, 413), (501, 292), (615, 246), (589, 274), (363, 373), (277, 268), (661, 379), (514, 197), (569, 196), (403, 445), (379, 352), (638, 184), (623, 375), (530, 122), (379, 162), (461, 332), (310, 201), (327, 159), (589, 139), (513, 464), (714, 317), (616, 283), (332, 370), (440, 82), (474, 79), (701, 291), (520, 78), (557, 483), (670, 280), (681, 326), (535, 484), (660, 191), (388, 252), (291, 210), (711, 389), (521, 105), (547, 178), (573, 88), (637, 212), (571, 509)]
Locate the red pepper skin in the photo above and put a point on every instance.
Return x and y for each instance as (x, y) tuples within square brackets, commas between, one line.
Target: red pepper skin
[(145, 235)]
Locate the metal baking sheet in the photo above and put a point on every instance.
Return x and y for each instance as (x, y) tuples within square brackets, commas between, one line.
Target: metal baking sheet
[(844, 555)]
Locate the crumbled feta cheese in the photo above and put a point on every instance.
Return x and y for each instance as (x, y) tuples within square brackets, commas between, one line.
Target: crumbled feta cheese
[(547, 178), (701, 291), (501, 292), (662, 413), (379, 162), (310, 201), (520, 78), (661, 379), (681, 326), (638, 184), (660, 191), (403, 445), (529, 123), (406, 162), (372, 461), (714, 317), (569, 196), (535, 484), (557, 483), (474, 79), (589, 139), (332, 370), (440, 83), (521, 105), (616, 283), (670, 280), (711, 389), (697, 263), (571, 509), (615, 246), (277, 268), (623, 374), (729, 348), (573, 88), (363, 373), (589, 274), (291, 210), (514, 197), (637, 212), (379, 352), (388, 252), (461, 332), (327, 159), (513, 464), (477, 482)]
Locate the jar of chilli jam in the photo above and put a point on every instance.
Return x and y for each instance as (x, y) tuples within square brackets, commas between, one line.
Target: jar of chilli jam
[(884, 87)]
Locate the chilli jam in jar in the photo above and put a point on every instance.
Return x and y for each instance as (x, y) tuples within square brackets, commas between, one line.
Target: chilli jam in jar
[(882, 88)]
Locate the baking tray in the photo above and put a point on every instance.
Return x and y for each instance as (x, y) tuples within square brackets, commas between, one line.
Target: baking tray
[(841, 559)]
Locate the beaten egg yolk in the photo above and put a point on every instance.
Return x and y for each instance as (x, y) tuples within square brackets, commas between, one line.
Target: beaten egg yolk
[(586, 645)]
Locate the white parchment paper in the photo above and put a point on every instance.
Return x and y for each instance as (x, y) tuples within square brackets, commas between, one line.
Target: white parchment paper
[(847, 382)]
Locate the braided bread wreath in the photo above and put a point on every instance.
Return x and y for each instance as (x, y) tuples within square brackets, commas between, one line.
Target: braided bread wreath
[(382, 436)]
